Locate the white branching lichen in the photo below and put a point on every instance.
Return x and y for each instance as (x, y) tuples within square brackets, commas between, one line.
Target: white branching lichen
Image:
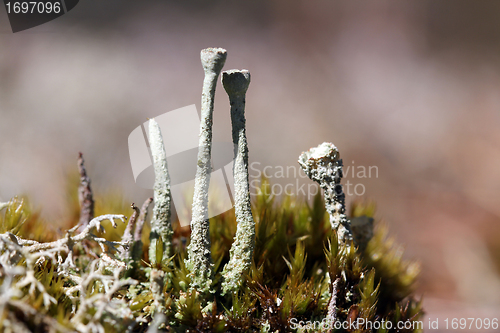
[(19, 259), (199, 262), (69, 241), (323, 165), (236, 83), (161, 226)]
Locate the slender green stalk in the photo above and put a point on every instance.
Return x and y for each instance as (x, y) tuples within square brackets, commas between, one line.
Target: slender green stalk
[(199, 261), (236, 83)]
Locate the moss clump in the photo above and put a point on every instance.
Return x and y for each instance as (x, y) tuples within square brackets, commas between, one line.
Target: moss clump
[(296, 261)]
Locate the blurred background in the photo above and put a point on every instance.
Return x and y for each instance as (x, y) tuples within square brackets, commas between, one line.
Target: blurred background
[(411, 88)]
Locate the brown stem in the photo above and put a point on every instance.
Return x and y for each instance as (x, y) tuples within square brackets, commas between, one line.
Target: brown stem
[(127, 234), (142, 218), (85, 196), (332, 306)]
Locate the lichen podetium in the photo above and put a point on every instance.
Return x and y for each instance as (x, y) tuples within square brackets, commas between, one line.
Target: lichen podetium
[(161, 225), (236, 83), (199, 261), (323, 165)]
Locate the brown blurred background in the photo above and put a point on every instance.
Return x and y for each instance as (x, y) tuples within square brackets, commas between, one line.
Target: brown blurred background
[(412, 88)]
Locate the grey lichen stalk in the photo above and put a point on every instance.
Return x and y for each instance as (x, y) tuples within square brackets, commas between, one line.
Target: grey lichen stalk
[(236, 83), (161, 225), (323, 165), (199, 261)]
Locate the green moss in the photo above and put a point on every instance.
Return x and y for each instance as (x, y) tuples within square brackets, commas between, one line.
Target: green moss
[(295, 247)]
